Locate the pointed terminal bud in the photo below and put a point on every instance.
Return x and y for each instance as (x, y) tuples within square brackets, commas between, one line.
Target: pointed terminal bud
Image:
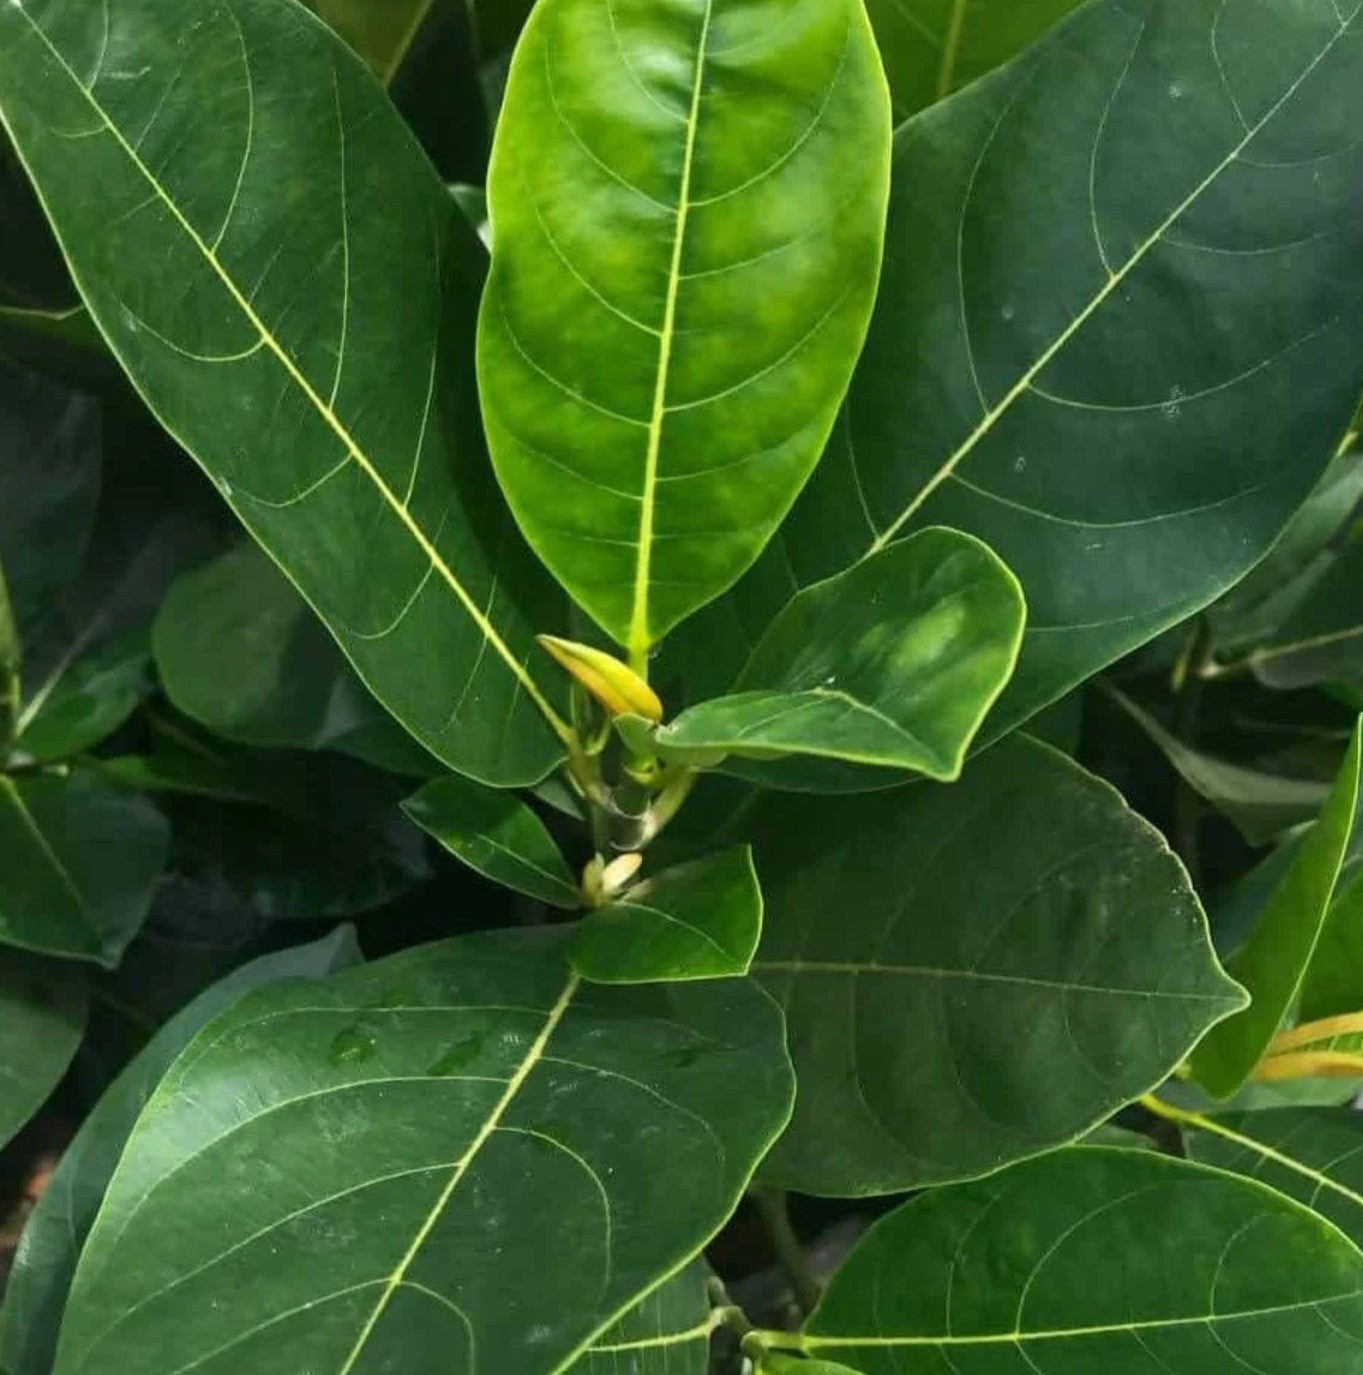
[(614, 684)]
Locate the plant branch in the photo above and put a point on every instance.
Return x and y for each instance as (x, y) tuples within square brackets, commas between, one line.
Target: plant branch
[(771, 1203)]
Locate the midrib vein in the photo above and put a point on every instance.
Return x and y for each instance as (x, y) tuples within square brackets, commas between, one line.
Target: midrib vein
[(1115, 280), (328, 415), (639, 636), (946, 71), (490, 1125)]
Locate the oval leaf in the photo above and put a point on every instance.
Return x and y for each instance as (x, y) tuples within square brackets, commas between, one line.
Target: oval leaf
[(455, 1092), (684, 261), (310, 349), (1026, 377), (893, 663), (498, 835), (1097, 1260), (974, 973), (700, 920), (42, 1019), (80, 860)]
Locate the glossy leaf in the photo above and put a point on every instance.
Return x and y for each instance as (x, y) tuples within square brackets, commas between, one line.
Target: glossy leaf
[(1050, 1266), (1274, 960), (1310, 1154), (42, 1019), (497, 835), (60, 1222), (79, 860), (893, 663), (975, 973), (1334, 982), (933, 47), (449, 1092), (667, 1333), (1261, 805), (684, 261), (239, 651), (337, 419), (1115, 336), (700, 920)]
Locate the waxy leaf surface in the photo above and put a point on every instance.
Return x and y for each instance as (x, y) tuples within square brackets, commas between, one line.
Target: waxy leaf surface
[(60, 1221), (1089, 1260), (893, 663), (687, 205), (290, 288), (699, 920), (444, 1096), (973, 973), (497, 835), (1119, 330)]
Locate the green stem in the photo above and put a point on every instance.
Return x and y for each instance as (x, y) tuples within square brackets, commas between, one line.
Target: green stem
[(10, 688), (771, 1203)]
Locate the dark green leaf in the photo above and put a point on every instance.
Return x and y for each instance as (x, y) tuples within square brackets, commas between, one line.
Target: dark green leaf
[(700, 920), (974, 973), (59, 1224), (79, 859), (1097, 1260), (1119, 330), (381, 31), (1273, 962), (933, 47), (1334, 982), (239, 651), (290, 286), (498, 835), (668, 1333), (1261, 805), (42, 1020), (685, 258), (1310, 1154), (441, 1097), (893, 663)]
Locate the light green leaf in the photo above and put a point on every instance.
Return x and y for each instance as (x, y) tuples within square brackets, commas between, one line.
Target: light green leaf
[(1334, 982), (1129, 461), (454, 1092), (1097, 1260), (57, 1227), (782, 1363), (700, 920), (1260, 805), (975, 973), (933, 47), (310, 349), (1310, 1154), (238, 651), (42, 1019), (667, 1333), (78, 861), (684, 261), (1273, 962), (893, 663), (497, 835)]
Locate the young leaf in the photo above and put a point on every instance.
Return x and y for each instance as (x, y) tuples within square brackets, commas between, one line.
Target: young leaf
[(1274, 960), (972, 974), (700, 920), (1094, 1259), (1310, 1154), (1128, 459), (892, 663), (239, 651), (57, 1228), (1328, 1048), (43, 1008), (933, 47), (685, 259), (667, 1333), (310, 349), (497, 835), (80, 859), (454, 1092)]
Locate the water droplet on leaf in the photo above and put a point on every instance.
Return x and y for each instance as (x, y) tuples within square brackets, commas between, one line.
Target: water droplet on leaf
[(459, 1055), (351, 1046)]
